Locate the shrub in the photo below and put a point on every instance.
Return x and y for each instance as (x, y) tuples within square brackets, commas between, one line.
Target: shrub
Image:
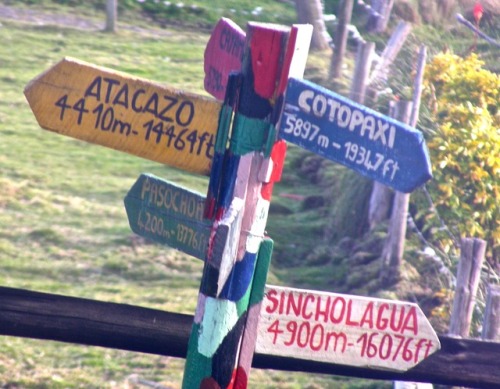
[(465, 149)]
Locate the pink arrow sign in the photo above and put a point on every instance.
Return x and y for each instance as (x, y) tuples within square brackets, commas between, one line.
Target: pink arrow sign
[(223, 54)]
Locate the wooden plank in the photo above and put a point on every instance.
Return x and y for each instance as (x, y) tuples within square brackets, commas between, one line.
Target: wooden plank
[(343, 329), (126, 113), (223, 55), (24, 313), (169, 214), (360, 138)]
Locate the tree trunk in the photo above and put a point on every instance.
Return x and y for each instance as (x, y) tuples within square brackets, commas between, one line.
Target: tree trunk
[(111, 15), (311, 12)]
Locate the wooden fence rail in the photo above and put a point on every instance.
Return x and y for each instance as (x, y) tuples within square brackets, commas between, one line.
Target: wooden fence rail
[(38, 315)]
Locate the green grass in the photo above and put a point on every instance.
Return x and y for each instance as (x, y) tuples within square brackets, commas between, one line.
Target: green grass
[(63, 227), (195, 13)]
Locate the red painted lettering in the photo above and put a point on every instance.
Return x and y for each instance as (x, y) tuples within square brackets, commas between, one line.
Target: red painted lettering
[(367, 316), (341, 301), (397, 327), (319, 311), (294, 305), (319, 333), (306, 315), (382, 322), (349, 321), (271, 297), (282, 302), (410, 323)]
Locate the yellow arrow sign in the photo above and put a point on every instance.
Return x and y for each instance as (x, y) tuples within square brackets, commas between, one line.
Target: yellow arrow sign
[(126, 113)]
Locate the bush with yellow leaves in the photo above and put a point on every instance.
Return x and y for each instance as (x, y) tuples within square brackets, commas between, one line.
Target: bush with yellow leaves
[(465, 148)]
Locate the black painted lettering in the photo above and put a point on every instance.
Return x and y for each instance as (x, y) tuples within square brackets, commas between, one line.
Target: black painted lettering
[(171, 101), (121, 97), (136, 95), (111, 82), (94, 89), (152, 105), (186, 105)]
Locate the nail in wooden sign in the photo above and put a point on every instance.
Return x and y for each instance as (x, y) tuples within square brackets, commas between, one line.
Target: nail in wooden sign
[(344, 329), (358, 137), (126, 113), (166, 213)]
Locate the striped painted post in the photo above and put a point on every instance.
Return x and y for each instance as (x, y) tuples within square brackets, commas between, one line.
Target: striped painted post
[(247, 161)]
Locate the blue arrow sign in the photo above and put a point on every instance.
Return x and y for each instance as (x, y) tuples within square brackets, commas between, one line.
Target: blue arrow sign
[(168, 214), (360, 138)]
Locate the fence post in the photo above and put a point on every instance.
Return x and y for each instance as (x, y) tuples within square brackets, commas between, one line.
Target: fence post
[(111, 12), (311, 11), (417, 85), (340, 38), (364, 60), (392, 49), (472, 253), (377, 22), (381, 197), (392, 253), (491, 323)]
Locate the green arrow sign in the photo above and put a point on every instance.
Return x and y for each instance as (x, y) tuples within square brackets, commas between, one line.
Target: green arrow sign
[(168, 214)]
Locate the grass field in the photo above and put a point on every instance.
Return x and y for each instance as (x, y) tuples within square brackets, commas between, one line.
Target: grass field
[(63, 227)]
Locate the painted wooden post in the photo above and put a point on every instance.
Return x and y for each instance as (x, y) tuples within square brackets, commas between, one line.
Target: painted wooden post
[(468, 275), (392, 253), (491, 323), (340, 38), (223, 336)]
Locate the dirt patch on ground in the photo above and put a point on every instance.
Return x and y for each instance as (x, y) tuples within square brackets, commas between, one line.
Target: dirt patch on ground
[(41, 17)]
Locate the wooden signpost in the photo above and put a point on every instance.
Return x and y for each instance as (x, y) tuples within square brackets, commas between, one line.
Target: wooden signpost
[(223, 55), (241, 145), (343, 329), (360, 138), (126, 113), (168, 214)]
